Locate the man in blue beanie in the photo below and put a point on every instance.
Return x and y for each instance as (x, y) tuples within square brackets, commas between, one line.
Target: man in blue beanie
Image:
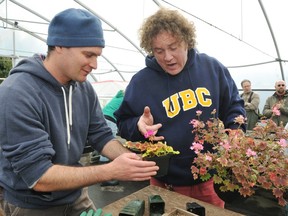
[(48, 113)]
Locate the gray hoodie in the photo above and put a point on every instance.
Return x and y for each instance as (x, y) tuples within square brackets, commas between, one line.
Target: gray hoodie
[(44, 123)]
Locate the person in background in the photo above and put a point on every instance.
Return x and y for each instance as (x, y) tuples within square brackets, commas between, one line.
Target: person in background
[(276, 106), (108, 111), (164, 97), (110, 108), (48, 112), (251, 104)]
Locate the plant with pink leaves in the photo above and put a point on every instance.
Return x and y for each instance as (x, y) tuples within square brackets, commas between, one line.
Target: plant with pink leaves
[(242, 161)]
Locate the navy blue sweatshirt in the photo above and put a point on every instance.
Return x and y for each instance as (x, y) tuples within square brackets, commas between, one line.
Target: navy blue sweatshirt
[(203, 84)]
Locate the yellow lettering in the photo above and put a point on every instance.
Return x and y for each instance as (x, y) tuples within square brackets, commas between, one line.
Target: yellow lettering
[(188, 99), (200, 92), (171, 106)]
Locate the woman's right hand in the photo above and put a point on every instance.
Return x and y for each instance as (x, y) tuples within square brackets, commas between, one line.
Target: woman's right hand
[(146, 123)]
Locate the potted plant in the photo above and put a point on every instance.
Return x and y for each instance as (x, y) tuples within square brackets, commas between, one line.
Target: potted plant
[(159, 152), (242, 161)]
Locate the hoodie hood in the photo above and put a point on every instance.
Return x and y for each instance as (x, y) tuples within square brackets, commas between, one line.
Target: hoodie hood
[(152, 63), (25, 65)]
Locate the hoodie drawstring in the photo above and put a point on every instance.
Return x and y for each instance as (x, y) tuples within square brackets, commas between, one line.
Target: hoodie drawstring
[(68, 113)]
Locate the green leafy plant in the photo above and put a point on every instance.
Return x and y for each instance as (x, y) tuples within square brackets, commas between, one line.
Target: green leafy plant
[(150, 149), (242, 161)]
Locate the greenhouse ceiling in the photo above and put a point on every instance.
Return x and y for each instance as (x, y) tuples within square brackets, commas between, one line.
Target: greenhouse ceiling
[(248, 36)]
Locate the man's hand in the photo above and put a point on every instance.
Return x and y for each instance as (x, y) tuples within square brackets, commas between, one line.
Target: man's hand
[(146, 122), (131, 167)]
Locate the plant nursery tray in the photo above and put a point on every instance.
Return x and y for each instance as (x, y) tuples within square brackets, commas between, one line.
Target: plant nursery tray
[(179, 212)]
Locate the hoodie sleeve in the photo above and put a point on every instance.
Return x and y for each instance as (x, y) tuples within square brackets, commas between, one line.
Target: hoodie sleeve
[(99, 133), (231, 104), (24, 141), (127, 124), (128, 114)]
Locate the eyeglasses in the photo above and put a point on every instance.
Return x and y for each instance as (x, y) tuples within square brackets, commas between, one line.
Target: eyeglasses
[(281, 85)]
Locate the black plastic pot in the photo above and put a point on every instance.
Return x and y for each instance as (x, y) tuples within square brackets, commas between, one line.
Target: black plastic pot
[(227, 196), (162, 162)]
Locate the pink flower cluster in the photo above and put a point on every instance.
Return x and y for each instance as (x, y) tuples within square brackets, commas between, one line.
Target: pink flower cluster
[(242, 161)]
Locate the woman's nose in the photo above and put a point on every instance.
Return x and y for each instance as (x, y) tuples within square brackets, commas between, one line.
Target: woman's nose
[(167, 56)]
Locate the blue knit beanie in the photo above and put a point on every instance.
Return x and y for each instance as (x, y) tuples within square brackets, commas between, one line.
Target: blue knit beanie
[(75, 28)]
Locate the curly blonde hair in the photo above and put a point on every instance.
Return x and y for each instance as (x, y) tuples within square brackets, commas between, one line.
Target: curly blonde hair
[(165, 20)]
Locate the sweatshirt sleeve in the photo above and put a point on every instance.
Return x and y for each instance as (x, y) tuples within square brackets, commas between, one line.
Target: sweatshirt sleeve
[(127, 124), (231, 104), (128, 114), (24, 142), (99, 133)]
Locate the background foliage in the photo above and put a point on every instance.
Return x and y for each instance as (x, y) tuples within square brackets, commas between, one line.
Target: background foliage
[(5, 67)]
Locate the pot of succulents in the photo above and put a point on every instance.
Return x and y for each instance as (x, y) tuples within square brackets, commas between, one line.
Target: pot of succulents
[(242, 162), (159, 152)]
